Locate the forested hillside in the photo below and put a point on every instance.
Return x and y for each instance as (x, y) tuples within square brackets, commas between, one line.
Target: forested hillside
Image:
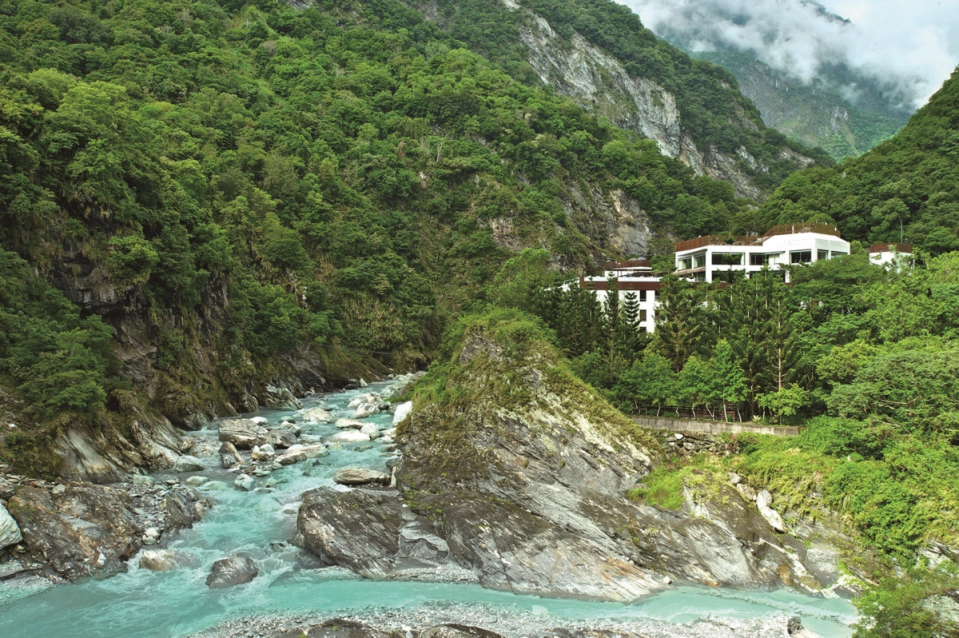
[(254, 196), (906, 189), (599, 53), (815, 114)]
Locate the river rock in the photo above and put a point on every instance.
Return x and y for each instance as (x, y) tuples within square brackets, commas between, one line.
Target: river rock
[(289, 458), (351, 424), (459, 631), (243, 433), (403, 410), (354, 476), (263, 452), (370, 430), (160, 560), (196, 481), (90, 529), (231, 571), (317, 415), (282, 436), (763, 501), (229, 456), (366, 410), (259, 420), (350, 436), (9, 530), (188, 464), (244, 482)]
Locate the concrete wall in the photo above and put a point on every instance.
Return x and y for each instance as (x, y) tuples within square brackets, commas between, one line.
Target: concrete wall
[(713, 427)]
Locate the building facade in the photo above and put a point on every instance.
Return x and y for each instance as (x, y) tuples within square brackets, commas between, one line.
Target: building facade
[(636, 276), (715, 257), (889, 255)]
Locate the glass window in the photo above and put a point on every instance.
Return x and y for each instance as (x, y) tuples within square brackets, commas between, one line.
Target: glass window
[(727, 259), (758, 259), (700, 260), (800, 257), (838, 253), (642, 315), (822, 254), (642, 296), (685, 263)]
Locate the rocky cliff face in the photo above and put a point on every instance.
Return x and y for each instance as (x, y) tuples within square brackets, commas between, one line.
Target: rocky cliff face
[(516, 471), (600, 83), (201, 384)]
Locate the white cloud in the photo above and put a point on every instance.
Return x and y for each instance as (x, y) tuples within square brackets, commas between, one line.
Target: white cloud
[(909, 46)]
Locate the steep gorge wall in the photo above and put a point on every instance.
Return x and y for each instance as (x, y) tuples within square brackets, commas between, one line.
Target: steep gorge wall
[(601, 84)]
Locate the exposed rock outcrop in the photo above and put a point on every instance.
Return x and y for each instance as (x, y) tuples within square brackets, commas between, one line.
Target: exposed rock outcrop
[(524, 478), (600, 83), (79, 530), (9, 530)]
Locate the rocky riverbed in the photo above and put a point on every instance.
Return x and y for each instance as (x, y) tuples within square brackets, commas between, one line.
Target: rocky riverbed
[(268, 472)]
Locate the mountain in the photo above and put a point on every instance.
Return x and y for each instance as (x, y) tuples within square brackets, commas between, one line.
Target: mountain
[(815, 114), (905, 189), (211, 206), (599, 53)]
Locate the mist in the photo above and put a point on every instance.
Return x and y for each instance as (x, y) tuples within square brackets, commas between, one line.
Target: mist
[(907, 48)]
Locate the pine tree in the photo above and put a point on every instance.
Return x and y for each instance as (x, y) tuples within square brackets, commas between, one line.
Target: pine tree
[(681, 321), (729, 382)]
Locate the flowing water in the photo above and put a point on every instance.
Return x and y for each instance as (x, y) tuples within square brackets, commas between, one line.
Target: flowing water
[(178, 603)]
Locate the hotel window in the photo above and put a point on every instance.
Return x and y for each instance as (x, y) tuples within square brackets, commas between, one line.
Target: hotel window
[(642, 315), (800, 257), (685, 264), (700, 260), (642, 295), (758, 259), (838, 253), (822, 254), (727, 259)]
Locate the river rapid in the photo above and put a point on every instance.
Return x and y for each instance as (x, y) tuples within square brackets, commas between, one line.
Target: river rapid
[(291, 591)]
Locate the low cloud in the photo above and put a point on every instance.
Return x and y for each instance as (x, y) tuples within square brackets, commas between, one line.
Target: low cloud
[(908, 48)]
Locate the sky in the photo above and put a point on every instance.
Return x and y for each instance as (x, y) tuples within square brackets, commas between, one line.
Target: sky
[(911, 46)]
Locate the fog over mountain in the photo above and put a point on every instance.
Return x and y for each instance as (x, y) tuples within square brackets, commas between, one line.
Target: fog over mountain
[(906, 48)]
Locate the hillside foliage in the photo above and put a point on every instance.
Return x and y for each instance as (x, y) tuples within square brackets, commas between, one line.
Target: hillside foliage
[(905, 189)]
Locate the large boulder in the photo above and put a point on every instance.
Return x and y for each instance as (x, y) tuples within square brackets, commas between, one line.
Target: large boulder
[(9, 530), (89, 529), (354, 476), (188, 463), (316, 415), (243, 433), (159, 560), (282, 436), (350, 436), (229, 456), (231, 571)]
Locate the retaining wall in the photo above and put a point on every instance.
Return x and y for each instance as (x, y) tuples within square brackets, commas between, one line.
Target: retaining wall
[(713, 427)]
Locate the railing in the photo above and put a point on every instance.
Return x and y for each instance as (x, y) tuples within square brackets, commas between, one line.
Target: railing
[(756, 240), (632, 263), (714, 413)]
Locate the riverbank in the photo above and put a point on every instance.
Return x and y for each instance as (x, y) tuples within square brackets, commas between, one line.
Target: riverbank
[(291, 584)]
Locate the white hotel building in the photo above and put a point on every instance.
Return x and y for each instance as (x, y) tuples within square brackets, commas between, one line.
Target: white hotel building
[(715, 258)]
